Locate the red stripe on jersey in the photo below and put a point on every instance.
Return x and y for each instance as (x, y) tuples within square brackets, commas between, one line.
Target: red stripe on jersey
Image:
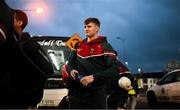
[(85, 50)]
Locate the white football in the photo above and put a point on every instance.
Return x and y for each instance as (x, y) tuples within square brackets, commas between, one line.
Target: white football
[(124, 82)]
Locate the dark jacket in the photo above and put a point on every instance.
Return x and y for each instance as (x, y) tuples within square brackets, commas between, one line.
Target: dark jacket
[(95, 58), (113, 86), (32, 71), (29, 68), (6, 22), (117, 95), (6, 27)]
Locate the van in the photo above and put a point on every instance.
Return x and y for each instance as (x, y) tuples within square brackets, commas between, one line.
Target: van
[(58, 52)]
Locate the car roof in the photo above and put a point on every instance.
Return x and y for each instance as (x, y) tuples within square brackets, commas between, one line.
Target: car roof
[(173, 71), (170, 73)]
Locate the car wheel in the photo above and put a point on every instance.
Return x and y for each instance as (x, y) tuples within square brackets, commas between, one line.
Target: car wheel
[(152, 100)]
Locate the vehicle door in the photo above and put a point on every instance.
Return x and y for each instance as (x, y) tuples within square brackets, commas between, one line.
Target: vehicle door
[(176, 93), (166, 87)]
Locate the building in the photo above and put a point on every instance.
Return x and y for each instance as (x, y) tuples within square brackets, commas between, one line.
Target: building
[(146, 80), (172, 65)]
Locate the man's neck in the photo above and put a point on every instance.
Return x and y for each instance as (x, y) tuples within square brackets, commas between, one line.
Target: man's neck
[(91, 38), (19, 31)]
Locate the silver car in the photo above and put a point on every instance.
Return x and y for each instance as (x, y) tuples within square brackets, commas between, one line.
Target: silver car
[(167, 89)]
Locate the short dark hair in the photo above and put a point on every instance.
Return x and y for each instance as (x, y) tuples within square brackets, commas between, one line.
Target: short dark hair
[(21, 15), (94, 20)]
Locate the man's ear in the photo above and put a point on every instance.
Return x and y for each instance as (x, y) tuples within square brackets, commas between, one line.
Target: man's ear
[(97, 29)]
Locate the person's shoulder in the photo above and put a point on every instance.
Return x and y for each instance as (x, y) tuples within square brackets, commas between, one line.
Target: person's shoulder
[(107, 46), (104, 41), (26, 34)]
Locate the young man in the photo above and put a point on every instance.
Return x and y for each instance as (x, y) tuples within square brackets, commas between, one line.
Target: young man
[(91, 64), (30, 65)]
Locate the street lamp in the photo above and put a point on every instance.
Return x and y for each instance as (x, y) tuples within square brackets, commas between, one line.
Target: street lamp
[(126, 62), (139, 70), (123, 46), (39, 10)]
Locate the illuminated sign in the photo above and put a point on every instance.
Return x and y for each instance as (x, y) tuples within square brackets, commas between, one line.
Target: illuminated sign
[(52, 42)]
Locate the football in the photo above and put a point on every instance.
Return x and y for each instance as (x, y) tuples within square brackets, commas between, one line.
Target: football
[(124, 82)]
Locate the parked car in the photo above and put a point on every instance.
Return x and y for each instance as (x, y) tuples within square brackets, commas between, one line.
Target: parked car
[(167, 89)]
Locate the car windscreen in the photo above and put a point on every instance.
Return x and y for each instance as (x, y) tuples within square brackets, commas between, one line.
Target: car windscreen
[(57, 51)]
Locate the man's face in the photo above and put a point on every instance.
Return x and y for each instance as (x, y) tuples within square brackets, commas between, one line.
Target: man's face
[(17, 23), (90, 29)]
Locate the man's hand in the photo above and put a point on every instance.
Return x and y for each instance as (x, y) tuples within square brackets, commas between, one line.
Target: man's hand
[(87, 80), (128, 88), (73, 74)]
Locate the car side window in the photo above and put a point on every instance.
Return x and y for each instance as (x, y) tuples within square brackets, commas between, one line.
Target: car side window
[(177, 76), (168, 79)]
